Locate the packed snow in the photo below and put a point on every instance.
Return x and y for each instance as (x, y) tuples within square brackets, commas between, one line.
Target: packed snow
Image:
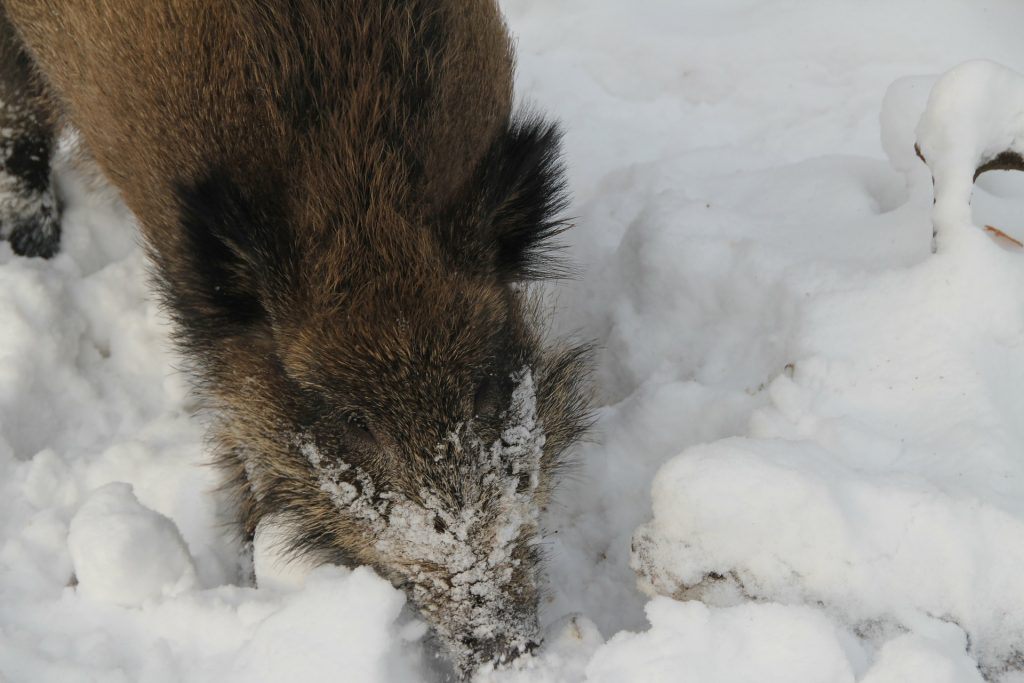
[(808, 463), (975, 113), (124, 553)]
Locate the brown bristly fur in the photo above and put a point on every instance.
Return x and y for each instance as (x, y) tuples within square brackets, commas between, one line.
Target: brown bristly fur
[(342, 213)]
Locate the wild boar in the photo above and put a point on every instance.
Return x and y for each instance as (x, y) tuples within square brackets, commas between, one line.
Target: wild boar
[(342, 212)]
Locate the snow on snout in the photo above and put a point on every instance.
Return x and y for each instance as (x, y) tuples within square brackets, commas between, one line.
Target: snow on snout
[(460, 571)]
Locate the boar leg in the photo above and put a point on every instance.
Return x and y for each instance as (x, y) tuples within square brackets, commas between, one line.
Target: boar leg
[(29, 214)]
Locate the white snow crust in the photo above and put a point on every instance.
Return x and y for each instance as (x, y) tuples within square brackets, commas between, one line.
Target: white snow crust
[(810, 437), (123, 552), (974, 113)]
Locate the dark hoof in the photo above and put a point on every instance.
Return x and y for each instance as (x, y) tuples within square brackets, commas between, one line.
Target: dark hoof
[(37, 234)]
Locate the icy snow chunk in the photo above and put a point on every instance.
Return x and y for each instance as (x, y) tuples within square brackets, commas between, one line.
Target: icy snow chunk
[(340, 627), (975, 113), (125, 553), (784, 521), (913, 658), (692, 642)]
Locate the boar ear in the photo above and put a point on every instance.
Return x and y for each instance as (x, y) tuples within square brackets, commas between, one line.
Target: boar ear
[(525, 196), (226, 262)]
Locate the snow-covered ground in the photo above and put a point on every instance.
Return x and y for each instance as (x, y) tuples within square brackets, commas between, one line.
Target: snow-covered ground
[(810, 439)]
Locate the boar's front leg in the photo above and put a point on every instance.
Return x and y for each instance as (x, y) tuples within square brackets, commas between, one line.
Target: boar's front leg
[(29, 215)]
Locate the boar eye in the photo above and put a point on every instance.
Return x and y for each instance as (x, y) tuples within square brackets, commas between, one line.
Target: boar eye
[(439, 525), (359, 428), (488, 398)]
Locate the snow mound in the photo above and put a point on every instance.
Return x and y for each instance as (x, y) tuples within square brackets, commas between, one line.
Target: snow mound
[(690, 642), (341, 626), (975, 113), (125, 553), (910, 658), (884, 479)]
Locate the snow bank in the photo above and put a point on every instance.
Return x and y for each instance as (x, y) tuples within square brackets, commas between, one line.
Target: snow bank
[(341, 626), (767, 643), (884, 479), (975, 113)]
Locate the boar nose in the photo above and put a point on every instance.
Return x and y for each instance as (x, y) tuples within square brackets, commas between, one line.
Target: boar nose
[(525, 649), (500, 651)]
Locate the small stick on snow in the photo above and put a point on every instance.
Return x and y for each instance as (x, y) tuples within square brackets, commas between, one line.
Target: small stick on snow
[(992, 230)]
